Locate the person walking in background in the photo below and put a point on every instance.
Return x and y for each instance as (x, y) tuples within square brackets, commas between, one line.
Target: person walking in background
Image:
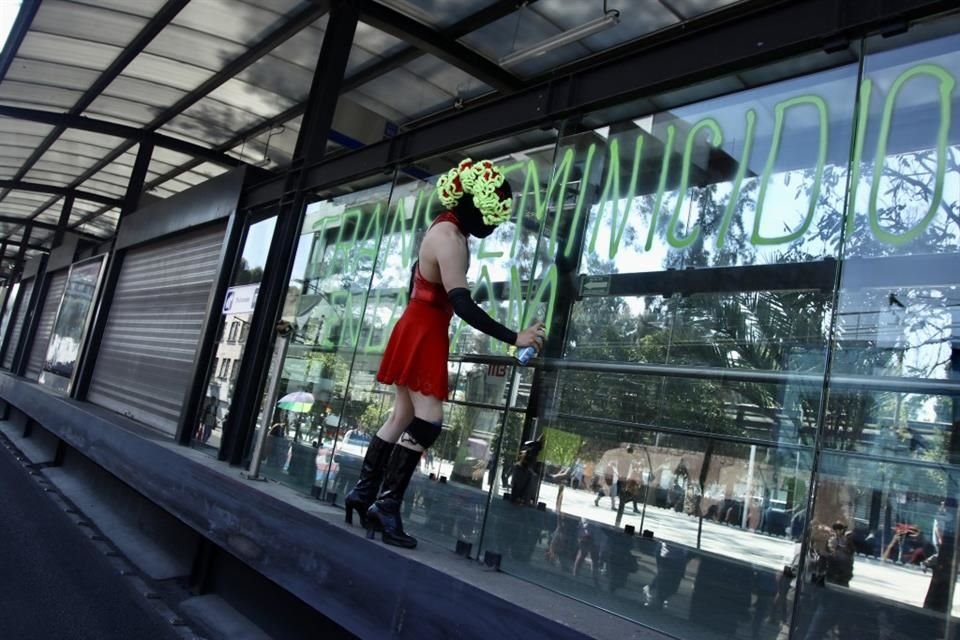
[(938, 593), (208, 421), (833, 566), (611, 478), (671, 566), (576, 474)]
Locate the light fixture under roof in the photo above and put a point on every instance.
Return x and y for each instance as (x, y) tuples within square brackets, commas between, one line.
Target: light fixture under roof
[(610, 18)]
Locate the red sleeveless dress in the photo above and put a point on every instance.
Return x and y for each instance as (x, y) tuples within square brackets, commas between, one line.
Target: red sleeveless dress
[(416, 354)]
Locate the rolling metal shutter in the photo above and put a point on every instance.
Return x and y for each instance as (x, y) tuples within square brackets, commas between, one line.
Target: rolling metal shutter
[(48, 315), (26, 290), (146, 355)]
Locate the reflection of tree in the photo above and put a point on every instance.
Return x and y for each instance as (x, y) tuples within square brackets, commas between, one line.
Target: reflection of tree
[(247, 275)]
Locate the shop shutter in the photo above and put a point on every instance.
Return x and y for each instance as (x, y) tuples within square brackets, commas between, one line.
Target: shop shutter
[(48, 315), (153, 328), (26, 290)]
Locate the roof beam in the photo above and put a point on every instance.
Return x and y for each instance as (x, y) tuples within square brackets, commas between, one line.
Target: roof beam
[(19, 185), (28, 9), (440, 45), (85, 123)]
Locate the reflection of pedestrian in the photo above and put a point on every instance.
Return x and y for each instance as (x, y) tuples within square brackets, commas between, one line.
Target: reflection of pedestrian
[(208, 421), (833, 565), (587, 548), (576, 475), (611, 478), (938, 593), (671, 565)]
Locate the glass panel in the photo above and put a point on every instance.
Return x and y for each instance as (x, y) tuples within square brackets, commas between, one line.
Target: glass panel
[(36, 95), (234, 324), (70, 327), (58, 75), (439, 14), (234, 22), (125, 111), (150, 67), (887, 483), (537, 22), (301, 50), (447, 497), (8, 310), (146, 8), (185, 48), (157, 93), (325, 302), (80, 142), (687, 260), (63, 158)]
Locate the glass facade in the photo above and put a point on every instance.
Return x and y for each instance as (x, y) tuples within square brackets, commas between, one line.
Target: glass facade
[(233, 328), (748, 399)]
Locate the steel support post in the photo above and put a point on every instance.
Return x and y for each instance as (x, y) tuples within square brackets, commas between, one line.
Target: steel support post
[(318, 117)]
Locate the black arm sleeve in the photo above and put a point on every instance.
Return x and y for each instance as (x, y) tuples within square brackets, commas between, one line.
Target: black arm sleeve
[(466, 308)]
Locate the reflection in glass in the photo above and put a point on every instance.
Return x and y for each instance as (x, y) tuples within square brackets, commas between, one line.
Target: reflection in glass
[(8, 310), (234, 325), (318, 445), (888, 481), (70, 326)]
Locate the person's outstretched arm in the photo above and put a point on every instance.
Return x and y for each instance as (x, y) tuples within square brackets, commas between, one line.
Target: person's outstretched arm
[(451, 255)]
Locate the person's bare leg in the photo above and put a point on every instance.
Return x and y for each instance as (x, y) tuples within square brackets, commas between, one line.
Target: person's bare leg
[(399, 417)]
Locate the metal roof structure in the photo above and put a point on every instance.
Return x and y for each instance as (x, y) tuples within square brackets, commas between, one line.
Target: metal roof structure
[(216, 83), (201, 86)]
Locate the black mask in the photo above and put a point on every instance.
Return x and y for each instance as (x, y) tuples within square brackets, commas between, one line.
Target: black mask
[(471, 220)]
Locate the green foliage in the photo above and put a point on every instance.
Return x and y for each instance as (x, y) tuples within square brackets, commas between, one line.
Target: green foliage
[(560, 447)]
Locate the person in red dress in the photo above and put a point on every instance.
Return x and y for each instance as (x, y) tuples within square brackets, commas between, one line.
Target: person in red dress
[(478, 199)]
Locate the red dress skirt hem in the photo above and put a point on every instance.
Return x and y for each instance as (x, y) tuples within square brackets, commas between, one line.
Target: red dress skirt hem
[(416, 354)]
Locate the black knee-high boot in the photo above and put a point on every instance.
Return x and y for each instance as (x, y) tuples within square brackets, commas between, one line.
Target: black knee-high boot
[(384, 515), (368, 486)]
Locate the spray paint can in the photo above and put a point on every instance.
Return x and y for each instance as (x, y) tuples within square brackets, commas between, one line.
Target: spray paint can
[(525, 355)]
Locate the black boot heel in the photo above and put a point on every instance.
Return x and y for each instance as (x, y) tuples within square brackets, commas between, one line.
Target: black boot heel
[(371, 534), (350, 506)]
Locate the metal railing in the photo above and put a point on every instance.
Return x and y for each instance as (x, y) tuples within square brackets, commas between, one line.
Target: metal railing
[(895, 384)]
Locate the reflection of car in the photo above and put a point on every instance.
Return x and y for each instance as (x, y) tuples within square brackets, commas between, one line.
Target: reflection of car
[(353, 443)]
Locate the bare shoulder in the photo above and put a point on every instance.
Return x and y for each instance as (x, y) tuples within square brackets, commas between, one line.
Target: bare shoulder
[(446, 235)]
